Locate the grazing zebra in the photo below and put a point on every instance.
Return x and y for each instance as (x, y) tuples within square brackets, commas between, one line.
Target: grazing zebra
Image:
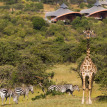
[(71, 88), (24, 91), (64, 88), (5, 93)]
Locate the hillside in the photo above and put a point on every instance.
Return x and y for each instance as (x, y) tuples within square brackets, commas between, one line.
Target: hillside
[(32, 49)]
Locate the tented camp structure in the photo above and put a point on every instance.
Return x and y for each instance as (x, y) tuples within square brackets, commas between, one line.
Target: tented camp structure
[(97, 11), (63, 14), (102, 2)]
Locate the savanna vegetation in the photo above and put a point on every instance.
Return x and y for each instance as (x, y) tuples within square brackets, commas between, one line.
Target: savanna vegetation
[(29, 45)]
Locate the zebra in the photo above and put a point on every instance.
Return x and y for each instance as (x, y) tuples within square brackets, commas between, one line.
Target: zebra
[(64, 88), (71, 88), (23, 91), (5, 93), (60, 88)]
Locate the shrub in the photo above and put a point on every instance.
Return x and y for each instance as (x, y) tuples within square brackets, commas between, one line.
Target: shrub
[(80, 22), (33, 6), (38, 22), (82, 5), (60, 39)]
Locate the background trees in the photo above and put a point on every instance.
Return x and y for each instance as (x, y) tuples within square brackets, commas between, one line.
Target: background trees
[(29, 45), (38, 22)]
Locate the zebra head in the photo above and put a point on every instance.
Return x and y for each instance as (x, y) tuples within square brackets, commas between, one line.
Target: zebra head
[(31, 89), (75, 87)]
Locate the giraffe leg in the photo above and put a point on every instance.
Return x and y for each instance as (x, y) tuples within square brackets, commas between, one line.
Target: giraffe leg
[(87, 101), (90, 102), (83, 97), (90, 80), (83, 89)]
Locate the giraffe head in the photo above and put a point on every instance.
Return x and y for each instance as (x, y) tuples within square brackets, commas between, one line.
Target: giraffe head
[(88, 33)]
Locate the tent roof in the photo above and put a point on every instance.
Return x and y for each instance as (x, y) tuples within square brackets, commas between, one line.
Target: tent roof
[(98, 3), (104, 2), (61, 11), (64, 6), (93, 9)]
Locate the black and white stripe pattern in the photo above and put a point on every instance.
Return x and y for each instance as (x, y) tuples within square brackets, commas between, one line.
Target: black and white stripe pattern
[(24, 91), (64, 88), (5, 93)]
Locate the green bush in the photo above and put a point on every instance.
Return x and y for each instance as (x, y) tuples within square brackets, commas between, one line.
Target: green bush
[(33, 6), (53, 93), (82, 5), (80, 22), (38, 22)]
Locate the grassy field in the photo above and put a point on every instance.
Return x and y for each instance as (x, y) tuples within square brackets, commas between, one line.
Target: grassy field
[(63, 74), (1, 4)]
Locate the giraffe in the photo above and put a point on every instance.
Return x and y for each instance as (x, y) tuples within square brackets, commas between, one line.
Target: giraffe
[(87, 70)]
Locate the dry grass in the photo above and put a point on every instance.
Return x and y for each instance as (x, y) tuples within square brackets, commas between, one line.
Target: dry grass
[(1, 4), (48, 8), (63, 73), (58, 101)]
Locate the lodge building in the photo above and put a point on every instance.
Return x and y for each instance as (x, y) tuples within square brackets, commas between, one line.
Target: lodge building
[(63, 14), (97, 11)]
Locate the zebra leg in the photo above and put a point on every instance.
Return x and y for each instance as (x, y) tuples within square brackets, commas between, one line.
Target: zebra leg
[(9, 99), (71, 93), (27, 96), (23, 97), (2, 100), (5, 100)]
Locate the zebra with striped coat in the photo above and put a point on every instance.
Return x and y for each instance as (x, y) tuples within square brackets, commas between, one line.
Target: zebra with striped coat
[(64, 88), (23, 91), (5, 93)]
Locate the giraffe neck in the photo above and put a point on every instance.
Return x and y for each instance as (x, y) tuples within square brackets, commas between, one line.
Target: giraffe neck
[(88, 48)]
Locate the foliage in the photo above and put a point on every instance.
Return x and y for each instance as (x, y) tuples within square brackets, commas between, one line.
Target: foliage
[(6, 75), (102, 98), (82, 5), (39, 96), (29, 45), (52, 93), (33, 6), (80, 22), (38, 22), (11, 1)]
